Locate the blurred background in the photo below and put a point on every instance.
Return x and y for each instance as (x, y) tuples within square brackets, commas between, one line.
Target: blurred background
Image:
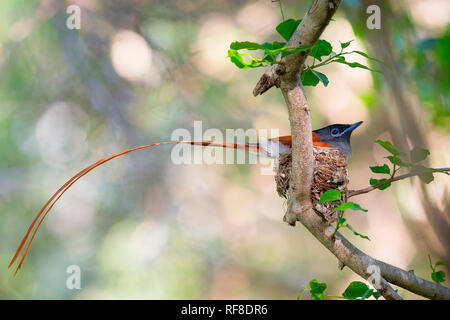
[(141, 227)]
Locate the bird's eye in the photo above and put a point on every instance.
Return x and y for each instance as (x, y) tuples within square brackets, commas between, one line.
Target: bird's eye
[(335, 132)]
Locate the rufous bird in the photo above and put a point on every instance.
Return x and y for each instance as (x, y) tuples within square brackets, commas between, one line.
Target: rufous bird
[(333, 136)]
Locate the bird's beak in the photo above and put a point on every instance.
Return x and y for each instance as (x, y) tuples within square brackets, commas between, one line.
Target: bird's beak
[(352, 127), (355, 125)]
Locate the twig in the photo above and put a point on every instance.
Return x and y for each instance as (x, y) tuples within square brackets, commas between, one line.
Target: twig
[(281, 9), (353, 193)]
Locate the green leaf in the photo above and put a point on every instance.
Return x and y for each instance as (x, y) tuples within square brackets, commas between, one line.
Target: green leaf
[(237, 45), (290, 50), (356, 233), (330, 195), (397, 161), (317, 289), (426, 174), (365, 55), (341, 221), (394, 160), (357, 207), (345, 206), (352, 64), (381, 169), (273, 45), (389, 147), (357, 65), (350, 205), (300, 294), (419, 154), (322, 77), (316, 286), (366, 294), (356, 289), (439, 263), (287, 28), (277, 44), (317, 296), (438, 276), (426, 177), (377, 181), (238, 60), (309, 78), (345, 44), (416, 168), (321, 48), (277, 47), (376, 294), (269, 59)]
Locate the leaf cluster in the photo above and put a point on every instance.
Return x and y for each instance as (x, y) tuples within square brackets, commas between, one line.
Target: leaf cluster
[(437, 276), (335, 197), (398, 160), (274, 53), (356, 290)]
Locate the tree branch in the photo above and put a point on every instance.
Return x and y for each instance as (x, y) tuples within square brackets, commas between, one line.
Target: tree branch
[(286, 77), (377, 272), (409, 281), (307, 33), (353, 193)]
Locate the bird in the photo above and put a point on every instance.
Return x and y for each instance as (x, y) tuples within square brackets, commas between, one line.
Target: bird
[(333, 136)]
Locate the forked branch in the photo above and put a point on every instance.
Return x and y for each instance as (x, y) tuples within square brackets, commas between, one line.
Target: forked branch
[(353, 193)]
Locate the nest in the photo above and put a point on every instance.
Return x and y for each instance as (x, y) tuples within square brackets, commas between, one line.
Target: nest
[(330, 172)]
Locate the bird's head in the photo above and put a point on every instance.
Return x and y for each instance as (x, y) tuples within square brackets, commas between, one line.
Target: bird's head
[(338, 136)]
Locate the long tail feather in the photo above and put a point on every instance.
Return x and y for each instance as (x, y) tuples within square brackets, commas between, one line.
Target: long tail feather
[(55, 197)]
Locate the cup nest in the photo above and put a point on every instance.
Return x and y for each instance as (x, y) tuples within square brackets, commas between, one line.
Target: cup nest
[(330, 172)]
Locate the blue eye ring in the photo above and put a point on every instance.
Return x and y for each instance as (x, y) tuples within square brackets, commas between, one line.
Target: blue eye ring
[(335, 132)]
